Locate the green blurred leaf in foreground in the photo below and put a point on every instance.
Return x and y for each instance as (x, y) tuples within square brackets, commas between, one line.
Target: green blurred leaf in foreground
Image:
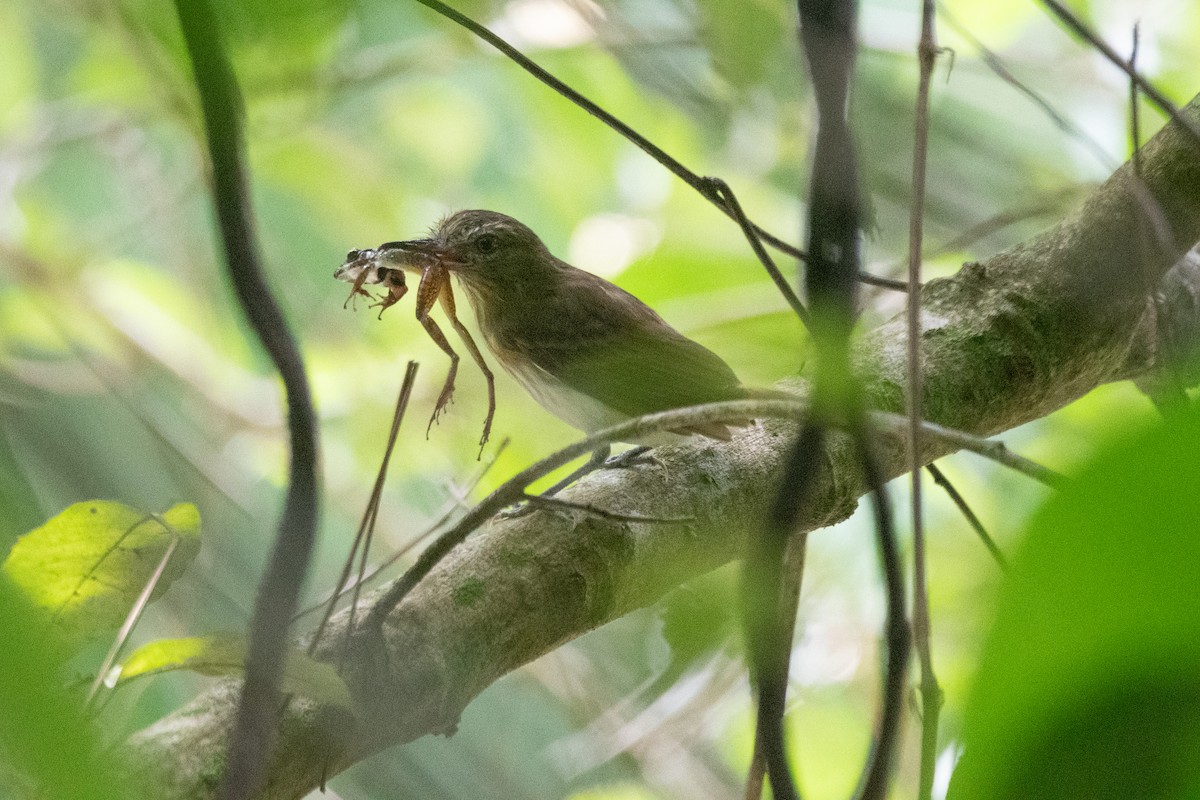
[(1089, 685), (225, 654), (44, 737), (86, 566)]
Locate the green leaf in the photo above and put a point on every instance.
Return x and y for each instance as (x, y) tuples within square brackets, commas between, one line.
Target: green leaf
[(699, 620), (1088, 682), (225, 654), (46, 740), (86, 566), (744, 38)]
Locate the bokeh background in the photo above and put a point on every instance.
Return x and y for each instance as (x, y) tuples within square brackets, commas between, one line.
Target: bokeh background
[(127, 373)]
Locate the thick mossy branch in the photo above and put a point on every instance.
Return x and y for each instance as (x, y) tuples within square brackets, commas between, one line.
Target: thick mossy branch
[(1004, 342)]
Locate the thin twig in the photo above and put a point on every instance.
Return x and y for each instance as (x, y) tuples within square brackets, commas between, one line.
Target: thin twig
[(1068, 18), (989, 448), (721, 189), (793, 580), (876, 775), (253, 735), (997, 222), (931, 693), (546, 501), (960, 502), (135, 611), (366, 526), (997, 65), (673, 165)]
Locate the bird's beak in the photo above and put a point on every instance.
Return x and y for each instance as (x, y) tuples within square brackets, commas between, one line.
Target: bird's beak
[(417, 254)]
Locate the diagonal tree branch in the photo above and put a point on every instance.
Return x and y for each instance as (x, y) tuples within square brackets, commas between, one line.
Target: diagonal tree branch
[(1004, 342)]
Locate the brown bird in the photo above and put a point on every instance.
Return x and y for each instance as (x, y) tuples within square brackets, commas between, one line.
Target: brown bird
[(589, 352)]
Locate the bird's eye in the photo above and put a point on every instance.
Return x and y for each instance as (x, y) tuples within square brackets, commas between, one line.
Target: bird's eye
[(486, 243)]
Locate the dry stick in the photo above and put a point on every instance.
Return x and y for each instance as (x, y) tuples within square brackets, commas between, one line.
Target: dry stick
[(940, 479), (139, 606), (455, 504), (1159, 99), (931, 693), (406, 388), (546, 501), (988, 448), (366, 527), (672, 164), (252, 739)]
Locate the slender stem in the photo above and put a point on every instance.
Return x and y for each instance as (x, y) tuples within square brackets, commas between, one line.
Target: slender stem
[(721, 189), (930, 691), (941, 480), (252, 740), (366, 527), (988, 448), (876, 777), (1068, 18), (996, 64), (456, 503), (136, 610), (793, 579)]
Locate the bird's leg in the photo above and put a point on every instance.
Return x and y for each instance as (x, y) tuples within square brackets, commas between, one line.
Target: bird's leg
[(631, 457), (434, 279), (596, 461), (447, 298), (393, 279)]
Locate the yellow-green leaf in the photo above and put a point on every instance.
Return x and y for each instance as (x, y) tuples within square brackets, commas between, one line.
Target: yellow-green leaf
[(86, 566), (225, 654)]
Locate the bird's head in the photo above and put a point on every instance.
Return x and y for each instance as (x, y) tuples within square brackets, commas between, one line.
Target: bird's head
[(485, 249)]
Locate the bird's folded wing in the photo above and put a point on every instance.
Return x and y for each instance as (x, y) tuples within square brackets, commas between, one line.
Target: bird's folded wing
[(632, 362)]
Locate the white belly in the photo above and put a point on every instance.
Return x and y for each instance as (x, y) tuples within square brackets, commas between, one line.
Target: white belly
[(576, 408)]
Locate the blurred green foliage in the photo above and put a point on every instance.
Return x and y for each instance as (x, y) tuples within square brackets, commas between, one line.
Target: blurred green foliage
[(1087, 683), (47, 746), (126, 373), (225, 654)]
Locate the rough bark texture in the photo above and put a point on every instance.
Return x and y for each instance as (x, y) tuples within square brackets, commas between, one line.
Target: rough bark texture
[(1004, 342)]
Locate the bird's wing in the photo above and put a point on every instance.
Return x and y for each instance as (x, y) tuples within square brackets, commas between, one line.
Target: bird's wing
[(624, 355)]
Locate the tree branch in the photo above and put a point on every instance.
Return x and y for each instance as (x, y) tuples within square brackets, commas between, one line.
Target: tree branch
[(1004, 342)]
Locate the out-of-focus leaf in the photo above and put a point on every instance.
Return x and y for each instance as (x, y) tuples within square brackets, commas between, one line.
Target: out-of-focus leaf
[(659, 47), (86, 566), (226, 655), (1088, 683), (743, 38), (18, 76), (44, 737), (699, 619)]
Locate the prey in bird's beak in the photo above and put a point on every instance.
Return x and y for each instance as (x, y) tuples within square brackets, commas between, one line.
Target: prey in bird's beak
[(385, 265), (432, 261)]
